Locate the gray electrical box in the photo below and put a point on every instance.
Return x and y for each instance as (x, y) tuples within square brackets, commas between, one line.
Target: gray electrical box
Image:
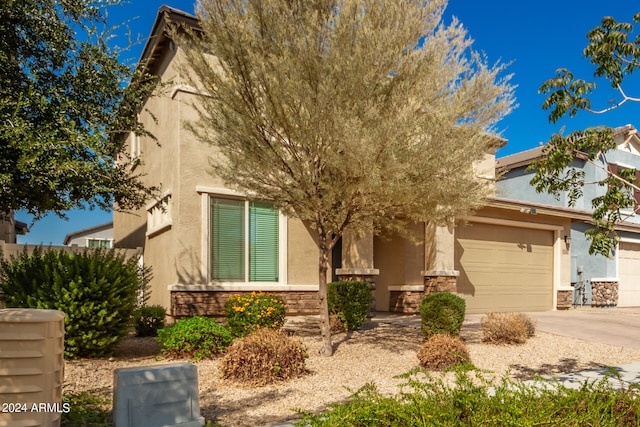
[(156, 396)]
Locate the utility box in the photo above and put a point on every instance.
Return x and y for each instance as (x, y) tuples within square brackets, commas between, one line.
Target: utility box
[(156, 396), (31, 367)]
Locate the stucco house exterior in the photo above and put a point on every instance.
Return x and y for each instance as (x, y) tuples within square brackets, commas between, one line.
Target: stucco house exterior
[(598, 277), (10, 228), (98, 236), (502, 258)]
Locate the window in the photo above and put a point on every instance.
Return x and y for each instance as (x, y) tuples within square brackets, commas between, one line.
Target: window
[(159, 215), (135, 146), (244, 241), (99, 243)]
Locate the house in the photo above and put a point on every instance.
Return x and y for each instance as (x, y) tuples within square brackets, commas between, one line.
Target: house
[(503, 258), (596, 279), (98, 236), (10, 228)]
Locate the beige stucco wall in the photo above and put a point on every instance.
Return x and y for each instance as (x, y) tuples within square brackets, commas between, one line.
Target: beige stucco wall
[(179, 163)]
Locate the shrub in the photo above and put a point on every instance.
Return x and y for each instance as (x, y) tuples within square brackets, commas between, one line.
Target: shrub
[(442, 313), (336, 325), (349, 301), (148, 320), (507, 328), (250, 311), (97, 290), (264, 357), (195, 337), (442, 351)]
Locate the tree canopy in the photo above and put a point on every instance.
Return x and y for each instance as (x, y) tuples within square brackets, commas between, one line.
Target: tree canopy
[(615, 53), (63, 107), (360, 115)]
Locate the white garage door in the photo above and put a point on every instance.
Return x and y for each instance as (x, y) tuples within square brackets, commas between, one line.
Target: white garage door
[(629, 274), (504, 268)]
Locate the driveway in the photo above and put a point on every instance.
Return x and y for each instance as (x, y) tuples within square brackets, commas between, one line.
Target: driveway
[(613, 326)]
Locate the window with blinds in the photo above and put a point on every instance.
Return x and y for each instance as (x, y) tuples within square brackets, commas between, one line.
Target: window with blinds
[(244, 241)]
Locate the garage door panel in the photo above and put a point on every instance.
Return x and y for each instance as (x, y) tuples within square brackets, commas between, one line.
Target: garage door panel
[(504, 268), (629, 275)]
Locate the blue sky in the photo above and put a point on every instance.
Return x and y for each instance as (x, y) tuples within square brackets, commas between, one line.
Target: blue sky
[(535, 37)]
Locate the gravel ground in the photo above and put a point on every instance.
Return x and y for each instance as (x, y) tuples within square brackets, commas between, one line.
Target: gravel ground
[(373, 355)]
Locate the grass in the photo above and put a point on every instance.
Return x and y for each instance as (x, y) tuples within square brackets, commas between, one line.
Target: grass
[(471, 400)]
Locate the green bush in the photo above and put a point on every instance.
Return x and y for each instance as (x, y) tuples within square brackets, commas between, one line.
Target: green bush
[(97, 290), (249, 311), (349, 301), (195, 337), (442, 313), (148, 320), (471, 400)]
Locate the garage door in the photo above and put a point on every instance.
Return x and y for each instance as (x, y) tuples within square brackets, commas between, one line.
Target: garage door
[(504, 268), (629, 275)]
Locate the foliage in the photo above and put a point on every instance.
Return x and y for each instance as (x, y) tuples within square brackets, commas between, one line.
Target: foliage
[(87, 408), (96, 289), (507, 328), (350, 302), (264, 357), (195, 337), (336, 324), (148, 320), (249, 311), (442, 313), (472, 400), (63, 104), (616, 55), (442, 351), (360, 115)]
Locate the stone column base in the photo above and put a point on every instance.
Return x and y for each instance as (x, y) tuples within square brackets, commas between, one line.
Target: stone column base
[(604, 293), (440, 281), (368, 275), (564, 299)]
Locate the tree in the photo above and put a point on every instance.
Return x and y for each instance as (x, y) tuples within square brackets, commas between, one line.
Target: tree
[(347, 114), (616, 56), (63, 109)]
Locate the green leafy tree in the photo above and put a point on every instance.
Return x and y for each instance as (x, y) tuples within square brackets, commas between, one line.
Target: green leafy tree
[(352, 115), (63, 108), (615, 53)]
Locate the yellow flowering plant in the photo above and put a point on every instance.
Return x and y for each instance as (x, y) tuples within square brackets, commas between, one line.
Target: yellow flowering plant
[(248, 311)]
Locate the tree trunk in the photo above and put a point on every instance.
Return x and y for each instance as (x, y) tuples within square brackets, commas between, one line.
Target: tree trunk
[(325, 328)]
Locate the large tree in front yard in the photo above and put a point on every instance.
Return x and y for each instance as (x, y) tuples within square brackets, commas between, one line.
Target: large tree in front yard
[(63, 105), (347, 114)]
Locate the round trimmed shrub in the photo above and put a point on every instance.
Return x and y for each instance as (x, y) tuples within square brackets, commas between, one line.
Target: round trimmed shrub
[(507, 328), (264, 357), (148, 320), (442, 313), (250, 311), (350, 302), (96, 289), (195, 337), (442, 351)]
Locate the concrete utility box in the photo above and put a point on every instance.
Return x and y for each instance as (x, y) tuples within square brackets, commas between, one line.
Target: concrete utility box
[(156, 396), (31, 367)]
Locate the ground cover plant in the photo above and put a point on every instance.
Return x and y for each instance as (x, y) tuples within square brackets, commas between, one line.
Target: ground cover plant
[(195, 337), (442, 313), (471, 400), (97, 291), (507, 328)]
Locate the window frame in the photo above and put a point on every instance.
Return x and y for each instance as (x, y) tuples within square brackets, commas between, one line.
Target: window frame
[(207, 196), (88, 241)]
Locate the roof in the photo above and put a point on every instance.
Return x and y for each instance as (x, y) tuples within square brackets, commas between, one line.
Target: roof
[(87, 230), (525, 158)]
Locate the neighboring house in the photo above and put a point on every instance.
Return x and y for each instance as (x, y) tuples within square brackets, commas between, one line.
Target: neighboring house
[(595, 278), (10, 229), (501, 259), (99, 236)]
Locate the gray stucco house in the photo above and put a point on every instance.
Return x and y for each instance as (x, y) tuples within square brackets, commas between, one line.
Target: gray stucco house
[(597, 280)]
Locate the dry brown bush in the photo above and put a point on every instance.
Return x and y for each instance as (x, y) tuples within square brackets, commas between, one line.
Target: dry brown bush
[(337, 326), (507, 328), (264, 357), (441, 351)]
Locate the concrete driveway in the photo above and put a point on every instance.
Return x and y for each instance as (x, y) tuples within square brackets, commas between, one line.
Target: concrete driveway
[(613, 326)]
